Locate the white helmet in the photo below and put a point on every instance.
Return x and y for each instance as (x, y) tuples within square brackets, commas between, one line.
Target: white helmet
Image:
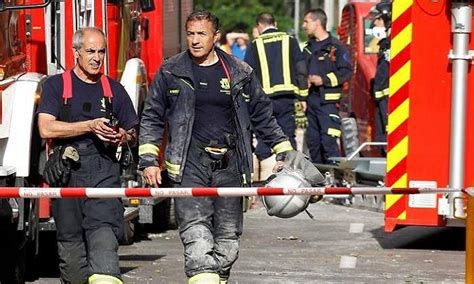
[(286, 206)]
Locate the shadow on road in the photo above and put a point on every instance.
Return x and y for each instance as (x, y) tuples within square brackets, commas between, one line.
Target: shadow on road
[(427, 238)]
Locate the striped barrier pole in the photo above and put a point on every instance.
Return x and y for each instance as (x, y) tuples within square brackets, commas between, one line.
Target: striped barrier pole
[(82, 192)]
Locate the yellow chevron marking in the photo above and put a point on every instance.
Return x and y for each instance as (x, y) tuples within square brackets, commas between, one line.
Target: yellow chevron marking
[(397, 154), (402, 216), (399, 7), (398, 116), (401, 40), (401, 182), (391, 199), (399, 79)]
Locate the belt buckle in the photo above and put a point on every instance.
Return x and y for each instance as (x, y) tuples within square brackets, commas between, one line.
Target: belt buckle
[(215, 152)]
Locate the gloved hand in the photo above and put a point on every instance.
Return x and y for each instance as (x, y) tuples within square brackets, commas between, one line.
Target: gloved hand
[(58, 167), (298, 161), (300, 116)]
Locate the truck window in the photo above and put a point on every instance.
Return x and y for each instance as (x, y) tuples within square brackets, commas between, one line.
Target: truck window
[(370, 42)]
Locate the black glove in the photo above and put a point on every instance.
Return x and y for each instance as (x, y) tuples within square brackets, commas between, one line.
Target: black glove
[(58, 167)]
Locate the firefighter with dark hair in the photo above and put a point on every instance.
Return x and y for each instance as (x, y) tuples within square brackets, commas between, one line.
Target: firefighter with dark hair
[(208, 101), (381, 24), (278, 63), (329, 67)]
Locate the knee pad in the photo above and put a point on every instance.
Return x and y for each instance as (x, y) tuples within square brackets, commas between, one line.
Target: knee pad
[(102, 238)]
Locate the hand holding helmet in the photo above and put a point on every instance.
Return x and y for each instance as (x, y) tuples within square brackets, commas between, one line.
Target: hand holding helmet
[(297, 172)]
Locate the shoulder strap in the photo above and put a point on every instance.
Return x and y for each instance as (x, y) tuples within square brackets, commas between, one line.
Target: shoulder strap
[(67, 86), (106, 87)]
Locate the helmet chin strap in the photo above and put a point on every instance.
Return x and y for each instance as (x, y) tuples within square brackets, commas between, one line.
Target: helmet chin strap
[(311, 216)]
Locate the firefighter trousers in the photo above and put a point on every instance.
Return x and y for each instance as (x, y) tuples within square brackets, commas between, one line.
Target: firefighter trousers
[(209, 227), (323, 131), (88, 230), (381, 122), (284, 112)]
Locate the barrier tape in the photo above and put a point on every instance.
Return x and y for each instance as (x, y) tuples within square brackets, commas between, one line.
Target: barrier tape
[(82, 192)]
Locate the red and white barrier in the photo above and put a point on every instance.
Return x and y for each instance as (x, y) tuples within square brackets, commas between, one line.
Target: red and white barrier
[(82, 192)]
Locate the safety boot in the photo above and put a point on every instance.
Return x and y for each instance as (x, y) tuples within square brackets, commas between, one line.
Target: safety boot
[(104, 279), (204, 278)]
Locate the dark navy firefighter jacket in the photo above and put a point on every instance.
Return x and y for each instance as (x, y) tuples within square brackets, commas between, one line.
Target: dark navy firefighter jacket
[(331, 60), (171, 101)]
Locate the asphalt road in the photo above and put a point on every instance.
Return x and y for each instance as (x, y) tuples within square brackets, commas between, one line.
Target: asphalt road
[(341, 245)]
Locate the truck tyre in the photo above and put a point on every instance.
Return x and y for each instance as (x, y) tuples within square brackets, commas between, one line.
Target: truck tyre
[(350, 135)]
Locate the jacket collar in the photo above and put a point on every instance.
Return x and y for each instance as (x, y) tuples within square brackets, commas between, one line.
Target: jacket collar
[(324, 43), (270, 30), (180, 65)]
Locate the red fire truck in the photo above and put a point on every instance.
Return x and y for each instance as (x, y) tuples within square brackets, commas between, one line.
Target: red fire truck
[(429, 137), (36, 41)]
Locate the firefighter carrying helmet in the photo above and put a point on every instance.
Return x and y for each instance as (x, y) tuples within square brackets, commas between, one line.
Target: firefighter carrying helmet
[(382, 10), (286, 206)]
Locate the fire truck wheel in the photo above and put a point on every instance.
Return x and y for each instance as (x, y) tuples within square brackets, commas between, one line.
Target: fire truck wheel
[(350, 136)]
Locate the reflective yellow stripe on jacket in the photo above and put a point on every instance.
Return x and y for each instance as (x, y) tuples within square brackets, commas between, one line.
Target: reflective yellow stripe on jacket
[(332, 96), (282, 147), (333, 79), (172, 168), (148, 149), (381, 94), (265, 72)]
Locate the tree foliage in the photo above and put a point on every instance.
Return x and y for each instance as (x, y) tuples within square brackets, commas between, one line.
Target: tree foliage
[(240, 14)]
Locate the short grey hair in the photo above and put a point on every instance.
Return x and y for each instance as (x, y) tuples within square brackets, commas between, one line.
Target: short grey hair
[(78, 37)]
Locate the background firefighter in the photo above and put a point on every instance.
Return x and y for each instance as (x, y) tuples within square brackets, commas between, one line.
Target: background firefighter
[(278, 63), (382, 14), (329, 66)]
